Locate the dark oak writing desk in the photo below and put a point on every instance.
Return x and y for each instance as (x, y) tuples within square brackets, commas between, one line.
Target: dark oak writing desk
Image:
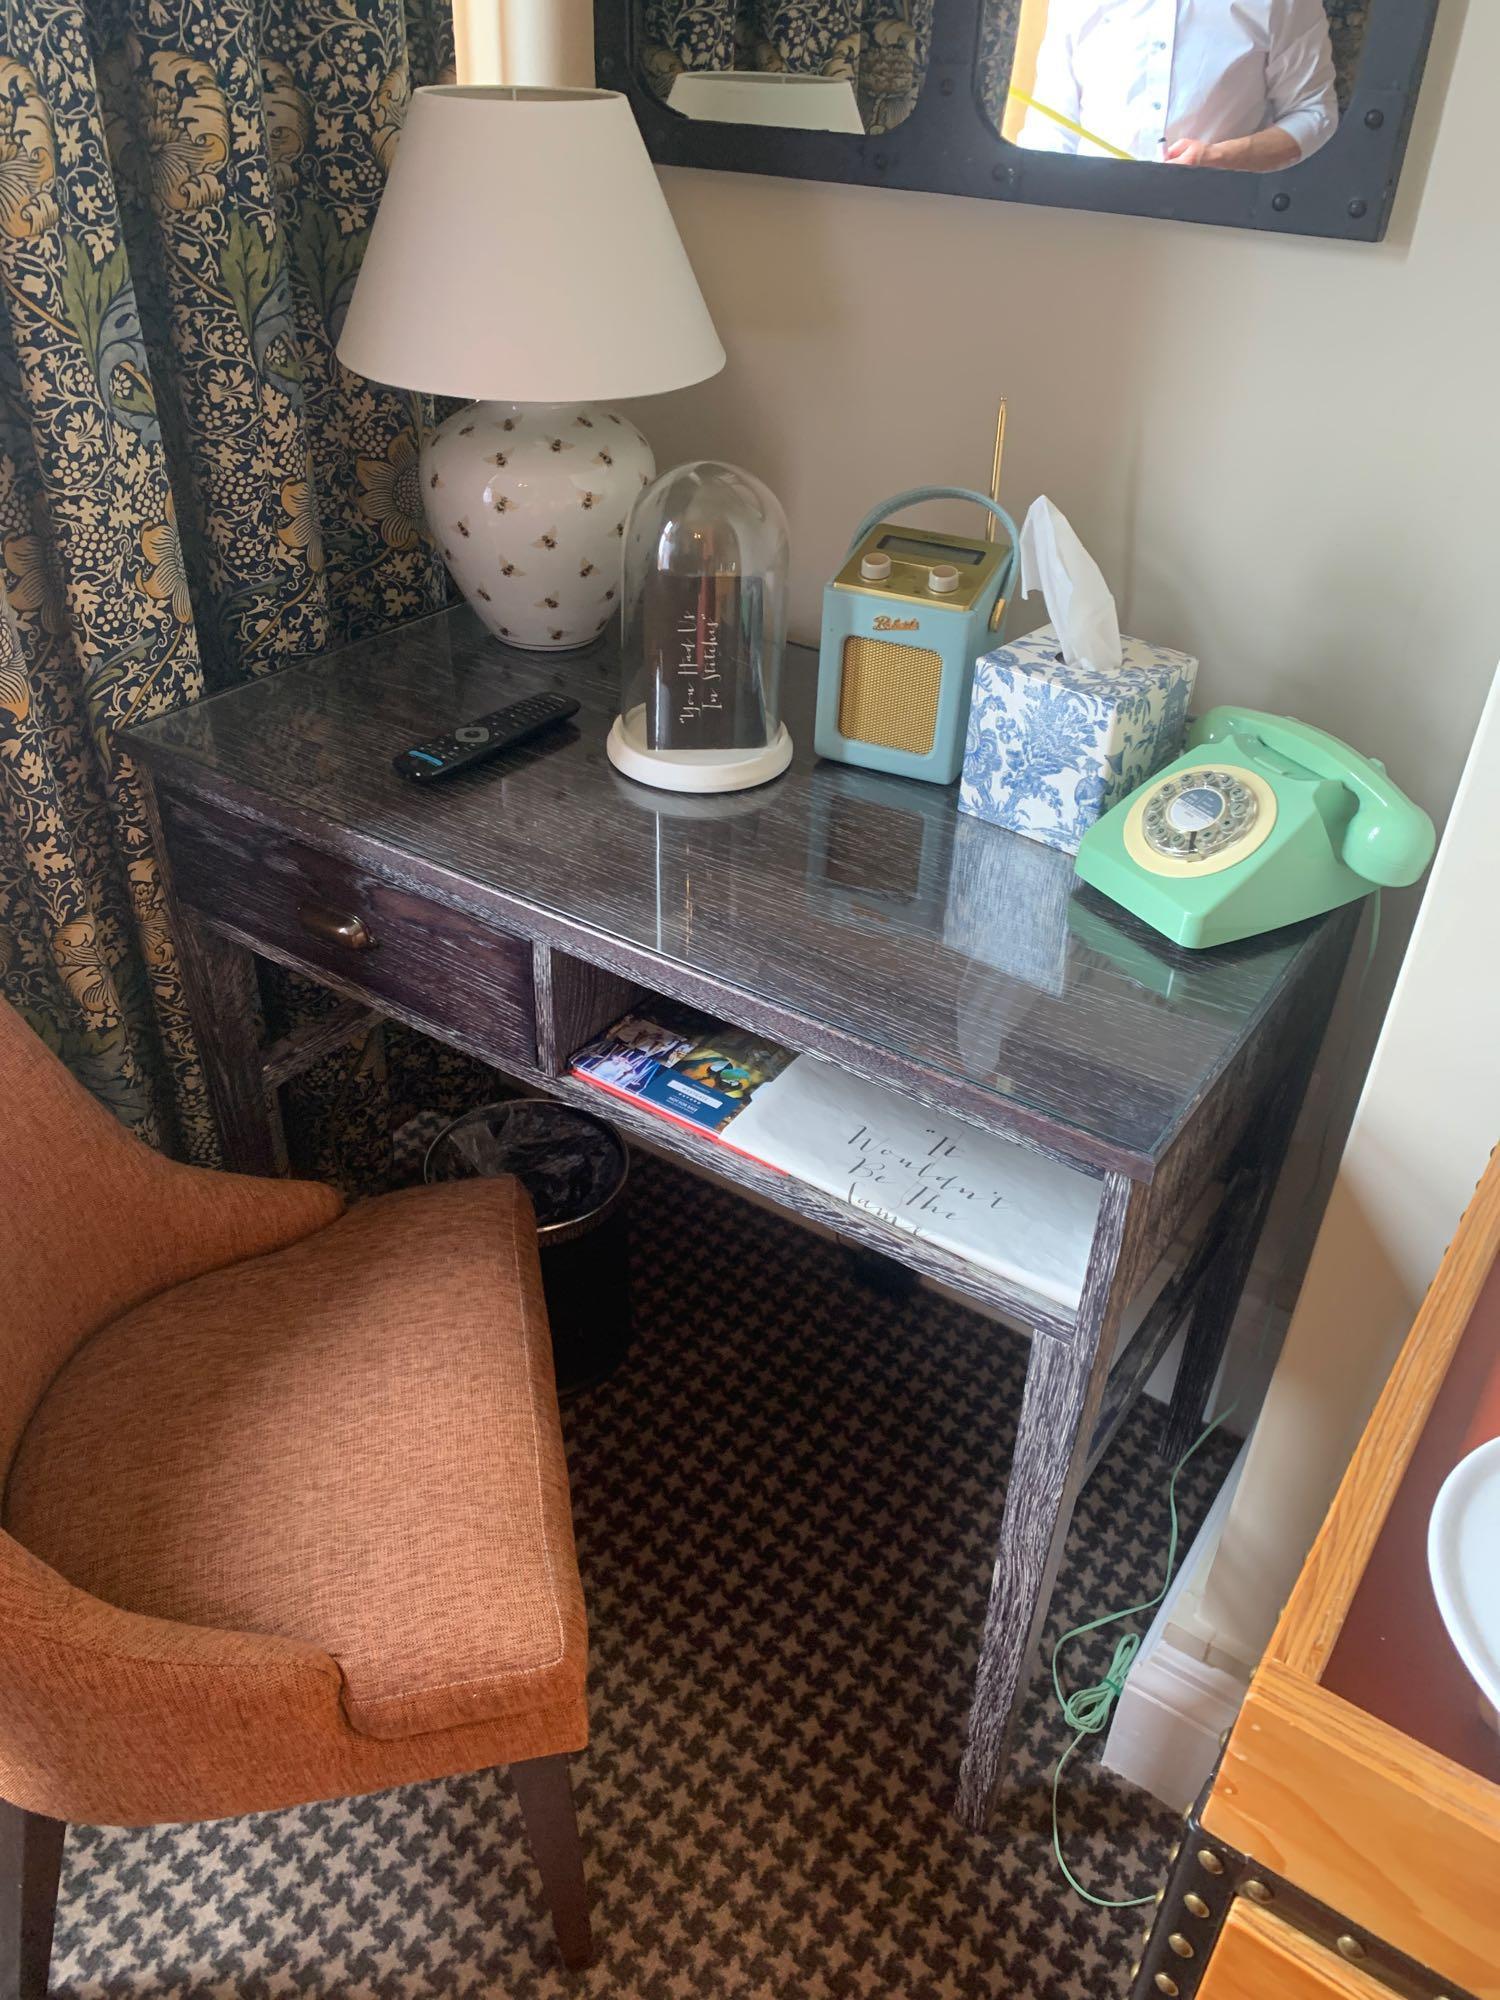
[(515, 911)]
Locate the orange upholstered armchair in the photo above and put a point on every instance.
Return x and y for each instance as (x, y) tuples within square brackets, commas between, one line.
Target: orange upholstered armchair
[(285, 1505)]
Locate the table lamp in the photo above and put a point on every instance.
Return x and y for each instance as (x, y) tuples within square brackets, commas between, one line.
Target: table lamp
[(523, 250)]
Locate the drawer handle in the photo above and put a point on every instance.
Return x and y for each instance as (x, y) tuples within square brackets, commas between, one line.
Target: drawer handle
[(335, 928)]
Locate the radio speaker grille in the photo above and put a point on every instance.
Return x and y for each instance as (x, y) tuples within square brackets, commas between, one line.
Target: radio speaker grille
[(888, 695)]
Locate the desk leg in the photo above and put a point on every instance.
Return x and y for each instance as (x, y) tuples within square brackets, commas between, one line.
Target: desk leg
[(223, 1003), (1210, 1323), (1064, 1388), (1224, 1282), (223, 999)]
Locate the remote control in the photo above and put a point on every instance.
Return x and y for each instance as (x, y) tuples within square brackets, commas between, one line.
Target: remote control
[(485, 736)]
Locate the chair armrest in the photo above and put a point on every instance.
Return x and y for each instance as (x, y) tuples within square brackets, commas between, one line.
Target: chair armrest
[(96, 1222), (111, 1718)]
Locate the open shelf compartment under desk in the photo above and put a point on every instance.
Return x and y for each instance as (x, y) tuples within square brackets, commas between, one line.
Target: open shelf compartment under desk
[(577, 1000)]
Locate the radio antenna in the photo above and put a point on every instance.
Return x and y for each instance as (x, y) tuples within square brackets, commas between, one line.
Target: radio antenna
[(992, 533)]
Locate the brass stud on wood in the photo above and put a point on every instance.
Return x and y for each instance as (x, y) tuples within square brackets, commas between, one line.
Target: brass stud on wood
[(1195, 1905), (1180, 1945), (1209, 1862), (1257, 1891), (1351, 1946), (1165, 1983)]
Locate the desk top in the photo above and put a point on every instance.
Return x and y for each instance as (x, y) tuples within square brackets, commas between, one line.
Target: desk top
[(926, 944)]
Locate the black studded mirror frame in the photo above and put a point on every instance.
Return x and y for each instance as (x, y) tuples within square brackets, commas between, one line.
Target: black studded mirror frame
[(947, 145)]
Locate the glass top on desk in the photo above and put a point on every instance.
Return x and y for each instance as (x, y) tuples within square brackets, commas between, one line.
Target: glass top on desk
[(866, 903)]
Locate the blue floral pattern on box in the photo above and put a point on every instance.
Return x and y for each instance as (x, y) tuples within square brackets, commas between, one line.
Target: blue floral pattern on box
[(1052, 747)]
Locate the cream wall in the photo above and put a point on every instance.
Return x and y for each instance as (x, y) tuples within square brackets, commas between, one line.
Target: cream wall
[(1427, 1121), (1284, 452)]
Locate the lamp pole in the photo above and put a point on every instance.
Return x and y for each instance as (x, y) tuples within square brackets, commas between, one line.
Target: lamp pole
[(547, 42)]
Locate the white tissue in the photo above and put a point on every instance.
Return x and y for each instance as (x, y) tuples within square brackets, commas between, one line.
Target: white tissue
[(1078, 599)]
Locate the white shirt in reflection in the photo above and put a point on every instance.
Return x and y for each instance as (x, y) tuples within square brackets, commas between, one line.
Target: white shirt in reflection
[(1143, 73)]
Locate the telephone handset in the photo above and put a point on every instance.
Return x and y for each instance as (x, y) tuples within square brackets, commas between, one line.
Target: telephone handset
[(1389, 840), (1263, 820)]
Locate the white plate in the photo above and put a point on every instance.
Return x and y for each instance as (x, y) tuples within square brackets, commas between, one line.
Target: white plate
[(1463, 1554)]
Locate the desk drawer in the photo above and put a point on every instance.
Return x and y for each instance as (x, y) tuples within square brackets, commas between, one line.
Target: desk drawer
[(416, 959)]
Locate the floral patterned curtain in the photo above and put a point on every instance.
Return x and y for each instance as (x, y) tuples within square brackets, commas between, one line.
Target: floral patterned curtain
[(881, 44), (192, 490)]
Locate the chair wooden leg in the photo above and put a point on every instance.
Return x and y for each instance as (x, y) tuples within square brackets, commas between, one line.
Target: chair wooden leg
[(544, 1787), (30, 1862)]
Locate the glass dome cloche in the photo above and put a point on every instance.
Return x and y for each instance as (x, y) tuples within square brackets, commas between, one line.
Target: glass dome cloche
[(704, 604)]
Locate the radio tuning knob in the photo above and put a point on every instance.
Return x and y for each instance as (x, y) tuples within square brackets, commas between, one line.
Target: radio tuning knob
[(875, 568), (942, 579)]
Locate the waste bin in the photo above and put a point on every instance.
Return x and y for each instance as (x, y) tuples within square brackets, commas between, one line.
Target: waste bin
[(574, 1167)]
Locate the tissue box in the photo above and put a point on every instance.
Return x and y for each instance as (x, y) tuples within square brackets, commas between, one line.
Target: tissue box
[(1051, 747)]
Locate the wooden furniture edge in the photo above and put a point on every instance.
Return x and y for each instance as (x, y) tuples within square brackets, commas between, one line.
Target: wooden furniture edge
[(1259, 1956), (1314, 1614), (1319, 1791)]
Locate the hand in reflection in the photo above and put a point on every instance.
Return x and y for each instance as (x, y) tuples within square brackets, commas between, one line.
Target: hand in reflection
[(1261, 153)]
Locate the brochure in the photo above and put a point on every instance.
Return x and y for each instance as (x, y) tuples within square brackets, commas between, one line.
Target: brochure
[(682, 1063)]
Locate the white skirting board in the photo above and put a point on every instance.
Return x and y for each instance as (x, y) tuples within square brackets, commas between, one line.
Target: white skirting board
[(1182, 1693)]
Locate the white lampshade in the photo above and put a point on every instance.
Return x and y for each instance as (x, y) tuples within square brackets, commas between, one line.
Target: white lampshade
[(524, 250)]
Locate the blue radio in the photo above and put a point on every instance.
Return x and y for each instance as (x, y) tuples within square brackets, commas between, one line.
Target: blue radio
[(903, 623)]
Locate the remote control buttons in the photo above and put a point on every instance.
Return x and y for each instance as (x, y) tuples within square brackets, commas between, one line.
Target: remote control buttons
[(473, 742)]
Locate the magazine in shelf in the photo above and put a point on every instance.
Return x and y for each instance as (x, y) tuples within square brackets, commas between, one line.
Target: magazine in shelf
[(683, 1064)]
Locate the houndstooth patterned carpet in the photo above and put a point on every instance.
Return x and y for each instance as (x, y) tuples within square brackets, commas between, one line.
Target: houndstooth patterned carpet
[(786, 1503)]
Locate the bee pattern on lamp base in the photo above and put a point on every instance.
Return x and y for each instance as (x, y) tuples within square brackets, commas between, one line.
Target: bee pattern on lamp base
[(527, 502)]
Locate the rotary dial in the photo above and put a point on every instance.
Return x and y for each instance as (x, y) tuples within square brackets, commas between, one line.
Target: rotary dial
[(1195, 815)]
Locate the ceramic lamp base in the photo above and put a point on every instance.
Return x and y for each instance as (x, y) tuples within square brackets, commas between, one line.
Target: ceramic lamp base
[(527, 502), (696, 770)]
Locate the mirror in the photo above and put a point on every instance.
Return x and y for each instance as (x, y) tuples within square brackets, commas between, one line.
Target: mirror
[(853, 66), (1285, 115), (1256, 86)]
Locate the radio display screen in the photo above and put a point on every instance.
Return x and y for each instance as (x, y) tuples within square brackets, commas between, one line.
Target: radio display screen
[(928, 552)]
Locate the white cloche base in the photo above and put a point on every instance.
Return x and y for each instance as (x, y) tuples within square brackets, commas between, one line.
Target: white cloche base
[(527, 502), (697, 770)]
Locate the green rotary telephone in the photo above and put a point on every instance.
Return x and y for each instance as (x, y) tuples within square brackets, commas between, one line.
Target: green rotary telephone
[(1261, 821)]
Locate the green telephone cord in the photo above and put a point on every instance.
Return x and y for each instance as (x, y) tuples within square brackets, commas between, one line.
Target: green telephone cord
[(1087, 1710)]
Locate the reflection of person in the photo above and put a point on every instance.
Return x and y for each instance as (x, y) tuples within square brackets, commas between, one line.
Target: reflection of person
[(1247, 84)]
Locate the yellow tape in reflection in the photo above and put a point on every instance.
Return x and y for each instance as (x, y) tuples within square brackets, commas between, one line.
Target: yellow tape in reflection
[(1070, 124)]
